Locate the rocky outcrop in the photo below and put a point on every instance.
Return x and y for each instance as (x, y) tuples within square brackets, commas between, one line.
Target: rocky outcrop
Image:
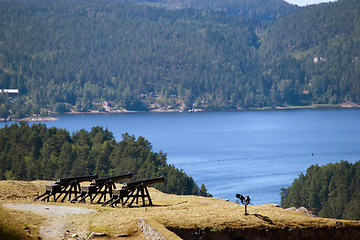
[(148, 231), (302, 210)]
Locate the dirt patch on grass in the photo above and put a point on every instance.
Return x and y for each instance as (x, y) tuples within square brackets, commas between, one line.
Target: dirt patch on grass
[(56, 225), (48, 210)]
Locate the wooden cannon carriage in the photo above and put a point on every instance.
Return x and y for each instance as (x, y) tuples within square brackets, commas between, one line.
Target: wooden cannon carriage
[(100, 186), (133, 190), (66, 186)]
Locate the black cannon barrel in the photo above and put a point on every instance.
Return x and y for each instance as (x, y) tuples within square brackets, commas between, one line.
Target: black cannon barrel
[(131, 185), (113, 179), (63, 181)]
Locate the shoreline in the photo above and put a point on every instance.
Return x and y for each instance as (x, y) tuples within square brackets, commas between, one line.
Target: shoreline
[(319, 106), (30, 119)]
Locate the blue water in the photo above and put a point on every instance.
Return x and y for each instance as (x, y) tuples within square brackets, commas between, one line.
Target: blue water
[(253, 153)]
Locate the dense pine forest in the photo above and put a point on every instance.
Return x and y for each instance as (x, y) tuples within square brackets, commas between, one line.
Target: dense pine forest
[(314, 53), (331, 191), (176, 55), (38, 152)]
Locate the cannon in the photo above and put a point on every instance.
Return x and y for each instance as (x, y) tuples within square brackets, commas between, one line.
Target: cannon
[(133, 190), (66, 186), (102, 186)]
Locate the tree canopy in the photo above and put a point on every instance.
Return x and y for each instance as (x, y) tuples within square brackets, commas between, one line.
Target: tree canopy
[(331, 191), (38, 152)]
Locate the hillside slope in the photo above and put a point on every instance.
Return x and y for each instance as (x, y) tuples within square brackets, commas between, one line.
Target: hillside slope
[(77, 56), (84, 53), (313, 54)]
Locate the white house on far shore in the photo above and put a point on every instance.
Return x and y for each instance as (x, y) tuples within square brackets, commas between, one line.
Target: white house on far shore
[(10, 91)]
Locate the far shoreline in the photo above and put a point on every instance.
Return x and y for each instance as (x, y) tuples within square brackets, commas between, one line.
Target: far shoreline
[(348, 105)]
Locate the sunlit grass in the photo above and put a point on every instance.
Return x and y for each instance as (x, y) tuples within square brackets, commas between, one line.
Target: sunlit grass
[(11, 229)]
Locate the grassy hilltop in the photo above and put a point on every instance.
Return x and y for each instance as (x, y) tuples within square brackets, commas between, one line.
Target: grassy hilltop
[(185, 215)]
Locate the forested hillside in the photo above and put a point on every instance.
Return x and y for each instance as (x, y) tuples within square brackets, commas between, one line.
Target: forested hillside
[(74, 55), (83, 53), (37, 152), (329, 191), (315, 53)]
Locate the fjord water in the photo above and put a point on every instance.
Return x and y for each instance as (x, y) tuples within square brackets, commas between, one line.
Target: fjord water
[(253, 153)]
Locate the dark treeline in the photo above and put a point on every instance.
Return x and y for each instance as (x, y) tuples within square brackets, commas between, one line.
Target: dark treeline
[(329, 191), (37, 152), (81, 53)]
